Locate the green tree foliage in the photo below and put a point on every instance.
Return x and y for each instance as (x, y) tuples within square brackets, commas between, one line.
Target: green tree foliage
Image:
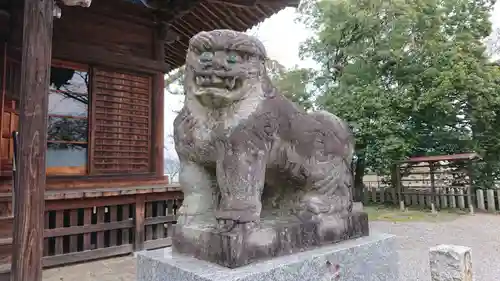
[(410, 76), (294, 85)]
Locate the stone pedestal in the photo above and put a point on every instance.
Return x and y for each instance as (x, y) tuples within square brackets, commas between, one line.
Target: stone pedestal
[(367, 258), (276, 236), (450, 263)]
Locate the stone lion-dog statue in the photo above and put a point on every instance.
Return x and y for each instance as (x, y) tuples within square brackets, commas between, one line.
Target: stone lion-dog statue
[(246, 152)]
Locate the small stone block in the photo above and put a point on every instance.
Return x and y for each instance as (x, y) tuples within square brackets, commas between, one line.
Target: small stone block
[(275, 237), (369, 258), (450, 263), (490, 199), (480, 200), (461, 199)]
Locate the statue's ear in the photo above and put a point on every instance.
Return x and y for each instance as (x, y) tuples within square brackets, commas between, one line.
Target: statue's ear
[(267, 86)]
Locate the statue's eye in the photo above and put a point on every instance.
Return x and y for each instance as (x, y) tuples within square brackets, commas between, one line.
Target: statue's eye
[(206, 56), (232, 58)]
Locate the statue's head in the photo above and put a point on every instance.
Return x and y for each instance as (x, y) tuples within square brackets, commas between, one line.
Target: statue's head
[(222, 66)]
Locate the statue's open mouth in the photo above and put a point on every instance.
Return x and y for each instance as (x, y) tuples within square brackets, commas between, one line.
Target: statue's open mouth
[(213, 81)]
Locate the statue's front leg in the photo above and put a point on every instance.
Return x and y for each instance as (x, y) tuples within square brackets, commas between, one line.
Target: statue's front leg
[(241, 175), (200, 194)]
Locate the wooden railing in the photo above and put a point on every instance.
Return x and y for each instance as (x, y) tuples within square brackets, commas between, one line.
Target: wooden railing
[(84, 229), (487, 200), (450, 197)]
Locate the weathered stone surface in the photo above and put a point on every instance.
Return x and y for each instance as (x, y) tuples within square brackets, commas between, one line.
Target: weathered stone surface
[(246, 150), (450, 263), (370, 258), (276, 236)]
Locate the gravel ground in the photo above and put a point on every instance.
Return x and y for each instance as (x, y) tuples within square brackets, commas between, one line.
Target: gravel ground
[(480, 232)]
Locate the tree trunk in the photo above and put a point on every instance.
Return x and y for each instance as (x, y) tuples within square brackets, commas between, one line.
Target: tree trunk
[(359, 174)]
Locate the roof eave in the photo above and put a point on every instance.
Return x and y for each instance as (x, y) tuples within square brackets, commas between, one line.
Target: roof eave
[(252, 3)]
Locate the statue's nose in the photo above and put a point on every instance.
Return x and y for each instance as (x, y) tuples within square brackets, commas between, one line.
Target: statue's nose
[(219, 62)]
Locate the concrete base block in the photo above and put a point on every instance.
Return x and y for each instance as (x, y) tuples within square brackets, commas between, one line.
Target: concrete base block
[(274, 237), (369, 258)]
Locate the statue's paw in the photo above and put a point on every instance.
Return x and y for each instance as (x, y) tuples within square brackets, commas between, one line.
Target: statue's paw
[(326, 222), (231, 225), (321, 204), (240, 216), (307, 216)]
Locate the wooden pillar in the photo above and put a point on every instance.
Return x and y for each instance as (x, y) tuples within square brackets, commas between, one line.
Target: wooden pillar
[(159, 106), (433, 186), (398, 187), (30, 183), (394, 184), (140, 205), (470, 190)]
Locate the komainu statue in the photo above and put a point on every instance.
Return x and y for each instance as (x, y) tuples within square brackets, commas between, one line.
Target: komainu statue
[(261, 177)]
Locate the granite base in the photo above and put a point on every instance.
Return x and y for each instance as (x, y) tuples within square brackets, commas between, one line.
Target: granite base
[(275, 236), (369, 258)]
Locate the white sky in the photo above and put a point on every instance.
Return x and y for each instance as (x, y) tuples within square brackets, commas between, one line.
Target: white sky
[(281, 36)]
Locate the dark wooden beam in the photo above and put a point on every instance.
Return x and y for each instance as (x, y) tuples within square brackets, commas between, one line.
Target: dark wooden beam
[(4, 23), (170, 6), (253, 3), (4, 13), (169, 11), (140, 205), (97, 55), (30, 184)]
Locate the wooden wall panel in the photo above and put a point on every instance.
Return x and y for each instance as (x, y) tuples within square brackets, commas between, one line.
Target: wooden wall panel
[(9, 116), (121, 130), (90, 28)]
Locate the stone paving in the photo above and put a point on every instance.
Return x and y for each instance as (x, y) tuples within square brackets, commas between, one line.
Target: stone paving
[(480, 232), (115, 269)]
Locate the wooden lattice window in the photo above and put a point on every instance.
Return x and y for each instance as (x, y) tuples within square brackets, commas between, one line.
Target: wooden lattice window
[(121, 122)]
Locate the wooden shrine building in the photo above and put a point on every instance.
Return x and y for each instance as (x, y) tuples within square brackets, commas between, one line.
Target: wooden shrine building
[(83, 86)]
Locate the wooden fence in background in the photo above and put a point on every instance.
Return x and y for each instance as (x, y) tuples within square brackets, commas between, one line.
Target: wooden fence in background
[(446, 198), (85, 229)]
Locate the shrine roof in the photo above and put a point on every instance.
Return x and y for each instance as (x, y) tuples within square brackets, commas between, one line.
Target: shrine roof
[(205, 15)]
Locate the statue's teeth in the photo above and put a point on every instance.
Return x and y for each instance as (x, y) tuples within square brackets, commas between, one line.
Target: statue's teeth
[(199, 80), (216, 79), (230, 82)]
